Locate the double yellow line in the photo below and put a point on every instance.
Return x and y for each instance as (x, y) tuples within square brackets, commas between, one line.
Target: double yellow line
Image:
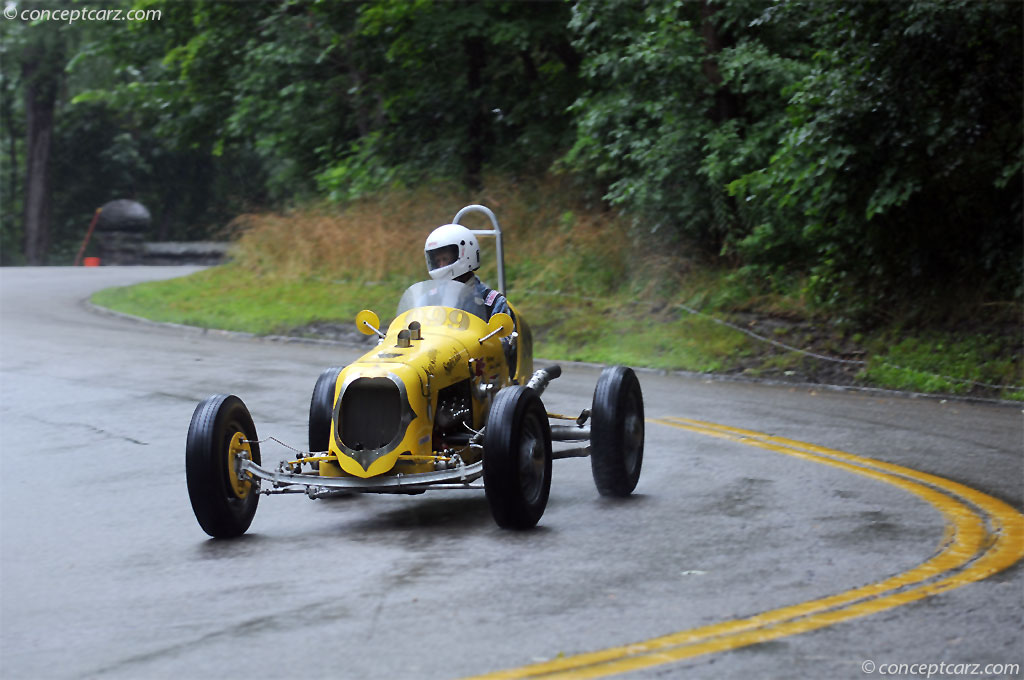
[(983, 536)]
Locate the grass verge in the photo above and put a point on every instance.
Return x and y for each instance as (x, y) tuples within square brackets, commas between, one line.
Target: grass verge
[(616, 329), (587, 294), (236, 299), (233, 298)]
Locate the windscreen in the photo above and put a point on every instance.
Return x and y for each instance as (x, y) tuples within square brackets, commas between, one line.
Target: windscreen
[(443, 294)]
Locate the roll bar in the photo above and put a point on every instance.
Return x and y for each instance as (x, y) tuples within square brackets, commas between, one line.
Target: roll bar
[(496, 233)]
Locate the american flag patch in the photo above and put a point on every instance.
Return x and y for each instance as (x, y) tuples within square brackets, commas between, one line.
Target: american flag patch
[(491, 297)]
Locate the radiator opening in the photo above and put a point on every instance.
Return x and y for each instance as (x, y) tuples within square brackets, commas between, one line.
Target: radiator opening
[(370, 414)]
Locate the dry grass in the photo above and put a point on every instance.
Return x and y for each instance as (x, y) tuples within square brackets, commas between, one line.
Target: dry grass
[(552, 241), (366, 240)]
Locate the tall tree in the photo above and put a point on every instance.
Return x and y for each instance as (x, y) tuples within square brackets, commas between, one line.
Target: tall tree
[(44, 55), (462, 86), (661, 122), (12, 132), (898, 180)]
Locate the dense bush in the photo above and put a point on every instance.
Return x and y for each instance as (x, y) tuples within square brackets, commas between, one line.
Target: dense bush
[(872, 149), (899, 178)]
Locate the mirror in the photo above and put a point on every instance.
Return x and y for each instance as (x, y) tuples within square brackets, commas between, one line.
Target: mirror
[(501, 324), (368, 323)]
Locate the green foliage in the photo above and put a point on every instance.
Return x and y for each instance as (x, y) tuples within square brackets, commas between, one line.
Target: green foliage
[(256, 84), (329, 99), (682, 99), (635, 133), (594, 331), (874, 146), (890, 186), (940, 363), (116, 134), (360, 172), (458, 86), (870, 152)]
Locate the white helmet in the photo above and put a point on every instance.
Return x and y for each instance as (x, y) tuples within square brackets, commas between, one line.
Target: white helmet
[(451, 251)]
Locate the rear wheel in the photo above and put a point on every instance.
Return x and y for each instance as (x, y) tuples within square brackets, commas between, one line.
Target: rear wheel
[(321, 410), (617, 432), (517, 458), (221, 430)]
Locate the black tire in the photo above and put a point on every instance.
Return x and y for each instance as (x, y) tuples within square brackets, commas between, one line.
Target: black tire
[(321, 410), (223, 506), (617, 432), (517, 458)]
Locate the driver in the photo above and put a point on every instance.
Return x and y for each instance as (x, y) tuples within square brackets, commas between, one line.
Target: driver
[(453, 252)]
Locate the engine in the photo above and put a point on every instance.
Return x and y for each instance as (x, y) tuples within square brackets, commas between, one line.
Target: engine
[(454, 417)]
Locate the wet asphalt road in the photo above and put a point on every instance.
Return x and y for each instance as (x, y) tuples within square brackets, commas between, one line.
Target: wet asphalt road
[(104, 572)]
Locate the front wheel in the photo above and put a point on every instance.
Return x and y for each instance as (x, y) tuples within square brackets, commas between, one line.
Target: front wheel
[(321, 410), (517, 458), (220, 432), (617, 432)]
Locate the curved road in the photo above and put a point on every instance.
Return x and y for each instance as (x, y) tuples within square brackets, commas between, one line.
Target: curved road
[(825, 534)]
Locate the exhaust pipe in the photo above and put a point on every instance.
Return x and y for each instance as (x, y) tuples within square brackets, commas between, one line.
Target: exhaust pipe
[(541, 377)]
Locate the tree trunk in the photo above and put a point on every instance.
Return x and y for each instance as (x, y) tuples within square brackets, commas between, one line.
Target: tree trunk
[(40, 100), (7, 111), (726, 105), (476, 56)]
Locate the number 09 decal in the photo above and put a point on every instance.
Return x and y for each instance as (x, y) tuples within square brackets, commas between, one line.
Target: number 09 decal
[(456, 319)]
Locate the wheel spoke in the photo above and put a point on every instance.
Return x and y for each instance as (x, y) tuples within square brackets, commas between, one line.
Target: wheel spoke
[(531, 465)]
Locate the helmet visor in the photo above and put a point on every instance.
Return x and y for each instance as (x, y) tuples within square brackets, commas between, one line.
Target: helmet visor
[(442, 257)]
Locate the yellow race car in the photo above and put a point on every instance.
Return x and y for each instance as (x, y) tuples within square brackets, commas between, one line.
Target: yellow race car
[(448, 398)]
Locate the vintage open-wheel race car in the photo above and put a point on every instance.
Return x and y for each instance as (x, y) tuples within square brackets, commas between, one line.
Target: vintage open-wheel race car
[(447, 398)]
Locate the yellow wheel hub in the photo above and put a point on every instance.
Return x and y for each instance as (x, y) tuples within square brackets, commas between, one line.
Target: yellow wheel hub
[(237, 446)]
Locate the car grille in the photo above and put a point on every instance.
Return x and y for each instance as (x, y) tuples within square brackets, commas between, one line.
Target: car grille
[(370, 414)]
